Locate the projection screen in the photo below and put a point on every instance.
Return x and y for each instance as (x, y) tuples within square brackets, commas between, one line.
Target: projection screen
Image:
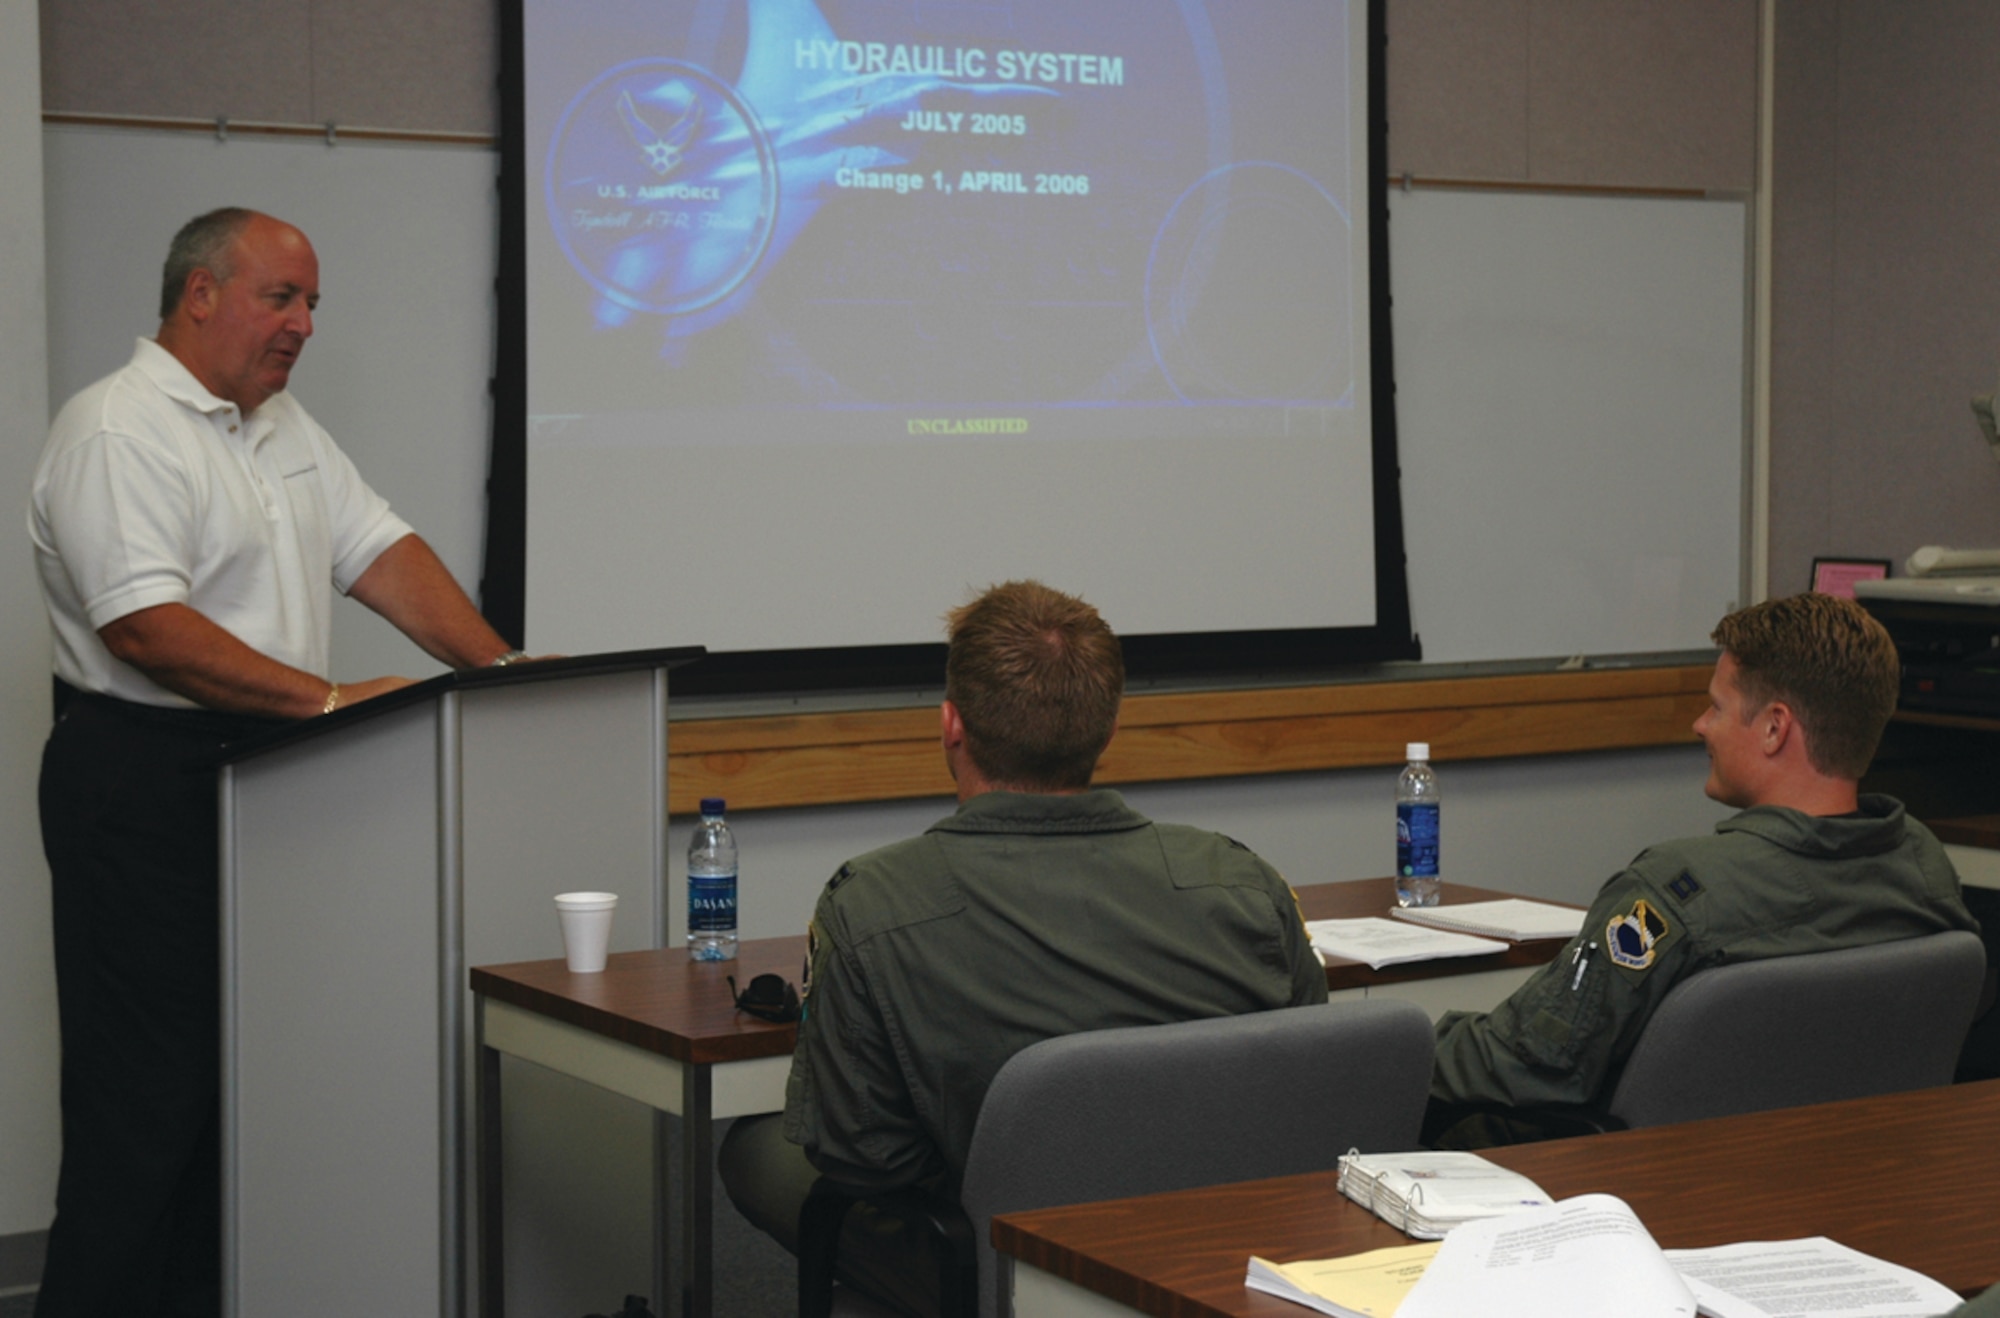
[(830, 312)]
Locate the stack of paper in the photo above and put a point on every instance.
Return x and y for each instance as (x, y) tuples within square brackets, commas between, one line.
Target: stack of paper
[(1380, 942), (1581, 1258), (1566, 1259), (1369, 1285), (1427, 1194), (1589, 1256), (1816, 1277), (1515, 918)]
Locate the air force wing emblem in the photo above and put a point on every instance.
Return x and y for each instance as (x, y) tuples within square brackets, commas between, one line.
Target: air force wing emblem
[(1634, 937), (663, 147)]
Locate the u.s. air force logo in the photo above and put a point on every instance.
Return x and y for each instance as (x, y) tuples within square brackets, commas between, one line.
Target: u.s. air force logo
[(1634, 937), (662, 188)]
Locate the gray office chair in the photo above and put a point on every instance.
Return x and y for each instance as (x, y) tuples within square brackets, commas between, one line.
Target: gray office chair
[(1804, 1029), (1115, 1113)]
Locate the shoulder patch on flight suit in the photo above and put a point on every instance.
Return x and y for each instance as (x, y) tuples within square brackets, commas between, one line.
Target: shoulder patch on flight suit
[(840, 876), (1684, 887), (1631, 938)]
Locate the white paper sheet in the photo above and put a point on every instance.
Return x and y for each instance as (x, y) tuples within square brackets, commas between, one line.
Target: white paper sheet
[(1813, 1278), (1581, 1258)]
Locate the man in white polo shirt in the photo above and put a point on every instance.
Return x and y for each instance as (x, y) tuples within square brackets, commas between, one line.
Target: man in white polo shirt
[(191, 524)]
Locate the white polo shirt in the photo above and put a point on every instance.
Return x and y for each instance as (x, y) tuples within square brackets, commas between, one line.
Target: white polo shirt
[(154, 491)]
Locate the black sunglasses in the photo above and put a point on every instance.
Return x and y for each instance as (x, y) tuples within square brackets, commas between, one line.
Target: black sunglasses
[(769, 998)]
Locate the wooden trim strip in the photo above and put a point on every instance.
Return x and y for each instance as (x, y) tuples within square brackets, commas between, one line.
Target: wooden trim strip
[(892, 754)]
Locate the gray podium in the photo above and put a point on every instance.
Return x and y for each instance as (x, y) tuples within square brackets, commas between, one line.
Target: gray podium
[(368, 858)]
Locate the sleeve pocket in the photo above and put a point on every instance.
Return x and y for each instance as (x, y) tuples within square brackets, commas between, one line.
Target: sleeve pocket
[(1561, 1023)]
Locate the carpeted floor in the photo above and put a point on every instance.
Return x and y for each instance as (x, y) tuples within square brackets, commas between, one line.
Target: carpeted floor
[(754, 1278)]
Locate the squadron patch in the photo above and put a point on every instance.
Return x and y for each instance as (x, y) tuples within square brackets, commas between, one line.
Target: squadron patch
[(1633, 937)]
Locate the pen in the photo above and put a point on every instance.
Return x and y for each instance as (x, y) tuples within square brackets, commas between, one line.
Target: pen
[(1581, 960)]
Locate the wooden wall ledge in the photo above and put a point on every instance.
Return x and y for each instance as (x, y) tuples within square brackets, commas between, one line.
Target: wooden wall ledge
[(892, 754)]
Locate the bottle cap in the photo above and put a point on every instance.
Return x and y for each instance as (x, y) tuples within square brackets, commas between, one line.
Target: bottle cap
[(1416, 750), (711, 805)]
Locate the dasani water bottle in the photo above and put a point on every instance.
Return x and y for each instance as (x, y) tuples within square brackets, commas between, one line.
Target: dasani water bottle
[(1417, 881), (712, 886)]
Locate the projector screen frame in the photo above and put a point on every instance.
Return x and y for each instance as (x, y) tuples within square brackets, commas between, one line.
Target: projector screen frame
[(1193, 656)]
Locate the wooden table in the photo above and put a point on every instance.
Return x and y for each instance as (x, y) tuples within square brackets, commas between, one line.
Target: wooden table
[(654, 1026), (662, 1029), (1913, 1178)]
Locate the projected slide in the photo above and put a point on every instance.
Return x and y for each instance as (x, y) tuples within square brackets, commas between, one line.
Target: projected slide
[(837, 309), (943, 218)]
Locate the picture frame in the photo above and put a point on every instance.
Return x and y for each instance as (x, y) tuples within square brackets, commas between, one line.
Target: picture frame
[(1836, 576)]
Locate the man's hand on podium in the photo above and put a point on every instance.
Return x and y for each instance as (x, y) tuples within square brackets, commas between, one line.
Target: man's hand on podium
[(344, 694)]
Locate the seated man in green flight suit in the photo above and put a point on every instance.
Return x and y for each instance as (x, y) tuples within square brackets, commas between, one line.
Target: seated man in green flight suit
[(1800, 696), (1042, 907)]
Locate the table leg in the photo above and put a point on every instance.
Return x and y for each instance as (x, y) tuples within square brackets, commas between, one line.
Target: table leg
[(663, 1179), (697, 1193), (486, 1115)]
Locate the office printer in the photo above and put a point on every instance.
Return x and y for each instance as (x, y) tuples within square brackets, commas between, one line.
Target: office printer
[(1945, 619), (1944, 615)]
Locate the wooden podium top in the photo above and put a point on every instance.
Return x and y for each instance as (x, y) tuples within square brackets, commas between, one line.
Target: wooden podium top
[(539, 670)]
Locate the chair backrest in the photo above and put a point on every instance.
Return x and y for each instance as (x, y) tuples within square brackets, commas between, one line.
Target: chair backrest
[(1114, 1113), (1805, 1029)]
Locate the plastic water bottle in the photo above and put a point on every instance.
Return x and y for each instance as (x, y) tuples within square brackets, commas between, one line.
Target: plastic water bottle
[(1417, 881), (712, 886)]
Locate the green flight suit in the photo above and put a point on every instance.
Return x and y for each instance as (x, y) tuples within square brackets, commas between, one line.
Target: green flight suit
[(1770, 881), (1019, 918)]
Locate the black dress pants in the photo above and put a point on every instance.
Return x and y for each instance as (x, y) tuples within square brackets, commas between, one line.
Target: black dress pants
[(128, 810)]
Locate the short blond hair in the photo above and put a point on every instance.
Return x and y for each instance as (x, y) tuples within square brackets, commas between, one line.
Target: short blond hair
[(1037, 676), (1827, 658)]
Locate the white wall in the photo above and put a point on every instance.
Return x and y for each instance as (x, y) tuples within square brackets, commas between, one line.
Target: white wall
[(1555, 827), (28, 1125)]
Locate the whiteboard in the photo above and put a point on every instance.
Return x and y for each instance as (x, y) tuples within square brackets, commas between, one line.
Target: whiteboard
[(1570, 373), (1570, 398)]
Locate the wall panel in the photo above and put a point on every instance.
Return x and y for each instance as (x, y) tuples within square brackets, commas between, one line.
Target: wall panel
[(1633, 93), (1458, 88), (246, 59), (426, 66), (1886, 321)]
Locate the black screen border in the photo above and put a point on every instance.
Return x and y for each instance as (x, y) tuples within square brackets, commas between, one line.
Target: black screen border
[(1176, 657)]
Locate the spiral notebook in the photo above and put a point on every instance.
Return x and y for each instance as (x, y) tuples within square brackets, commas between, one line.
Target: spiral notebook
[(1425, 1195)]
